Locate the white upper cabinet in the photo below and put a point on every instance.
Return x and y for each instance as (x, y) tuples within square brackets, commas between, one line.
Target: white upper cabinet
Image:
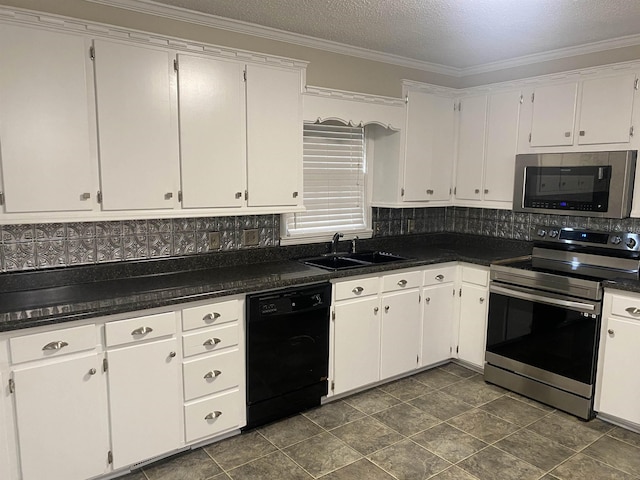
[(137, 121), (274, 136), (554, 112), (429, 147), (605, 110), (47, 127), (471, 147), (211, 97)]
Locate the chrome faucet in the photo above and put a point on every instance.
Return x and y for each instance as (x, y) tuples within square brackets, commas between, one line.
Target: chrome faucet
[(334, 243)]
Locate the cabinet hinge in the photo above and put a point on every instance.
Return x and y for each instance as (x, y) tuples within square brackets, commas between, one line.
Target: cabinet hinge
[(244, 75), (402, 192), (333, 385), (521, 99), (635, 84), (419, 298), (109, 457), (417, 359), (99, 196), (455, 106), (529, 137), (533, 96), (179, 195), (333, 315), (460, 292), (630, 134), (92, 52), (105, 364), (450, 349), (455, 190), (457, 349), (175, 64), (406, 99), (1, 198), (12, 386), (246, 194), (454, 292), (460, 106)]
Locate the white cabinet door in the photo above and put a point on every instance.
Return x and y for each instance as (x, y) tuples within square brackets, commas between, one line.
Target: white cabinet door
[(437, 323), (620, 387), (605, 110), (274, 136), (211, 98), (473, 324), (554, 111), (62, 419), (356, 344), (400, 333), (145, 401), (471, 147), (137, 124), (501, 145), (429, 147), (47, 130)]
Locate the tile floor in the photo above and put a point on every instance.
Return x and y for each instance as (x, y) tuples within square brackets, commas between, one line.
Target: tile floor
[(441, 424)]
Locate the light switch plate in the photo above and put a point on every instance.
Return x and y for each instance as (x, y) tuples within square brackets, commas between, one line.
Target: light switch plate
[(411, 225), (250, 237), (214, 240)]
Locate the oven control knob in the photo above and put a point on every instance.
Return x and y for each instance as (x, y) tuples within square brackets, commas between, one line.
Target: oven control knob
[(616, 240), (542, 233), (631, 243), (553, 233)]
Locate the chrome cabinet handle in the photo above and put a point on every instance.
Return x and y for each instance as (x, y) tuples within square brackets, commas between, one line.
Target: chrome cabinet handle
[(632, 310), (358, 290), (439, 277), (402, 283), (55, 345), (429, 192), (212, 374), (375, 309), (428, 299), (172, 354), (93, 371), (212, 415), (486, 190), (477, 190), (211, 316), (481, 299), (211, 341), (386, 308), (142, 331), (85, 196), (168, 196), (610, 331)]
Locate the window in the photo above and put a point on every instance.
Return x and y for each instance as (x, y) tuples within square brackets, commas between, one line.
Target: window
[(334, 182)]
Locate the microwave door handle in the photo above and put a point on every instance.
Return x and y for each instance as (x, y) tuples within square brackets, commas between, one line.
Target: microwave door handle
[(524, 295)]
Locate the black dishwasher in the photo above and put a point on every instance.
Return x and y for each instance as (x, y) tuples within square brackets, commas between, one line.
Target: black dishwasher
[(287, 351)]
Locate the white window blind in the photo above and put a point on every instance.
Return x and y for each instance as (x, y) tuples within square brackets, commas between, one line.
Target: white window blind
[(334, 181)]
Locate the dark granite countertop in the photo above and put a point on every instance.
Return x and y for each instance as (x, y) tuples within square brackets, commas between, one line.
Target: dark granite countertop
[(623, 284), (29, 299)]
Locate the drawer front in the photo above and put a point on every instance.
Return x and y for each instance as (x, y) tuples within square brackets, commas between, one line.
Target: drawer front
[(437, 276), (401, 281), (357, 288), (138, 329), (210, 340), (213, 415), (212, 374), (53, 344), (209, 315), (476, 276), (627, 307)]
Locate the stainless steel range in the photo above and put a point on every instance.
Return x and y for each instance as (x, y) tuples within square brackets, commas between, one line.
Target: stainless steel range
[(544, 314)]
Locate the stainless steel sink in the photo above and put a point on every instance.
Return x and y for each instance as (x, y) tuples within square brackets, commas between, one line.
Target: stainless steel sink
[(344, 261)]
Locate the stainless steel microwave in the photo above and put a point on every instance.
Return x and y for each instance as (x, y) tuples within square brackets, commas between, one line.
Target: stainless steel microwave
[(590, 184)]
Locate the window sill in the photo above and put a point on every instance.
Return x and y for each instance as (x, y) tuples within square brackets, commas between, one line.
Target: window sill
[(323, 238)]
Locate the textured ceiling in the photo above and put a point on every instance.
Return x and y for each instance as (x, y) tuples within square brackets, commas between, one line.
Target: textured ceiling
[(456, 33)]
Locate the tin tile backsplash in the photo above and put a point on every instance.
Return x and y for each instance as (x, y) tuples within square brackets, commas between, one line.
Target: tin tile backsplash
[(26, 247)]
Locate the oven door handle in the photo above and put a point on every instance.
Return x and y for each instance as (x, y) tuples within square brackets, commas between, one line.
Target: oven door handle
[(525, 294)]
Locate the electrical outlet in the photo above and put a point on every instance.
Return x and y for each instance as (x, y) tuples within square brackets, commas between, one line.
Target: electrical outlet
[(411, 225), (376, 228), (250, 237), (214, 240)]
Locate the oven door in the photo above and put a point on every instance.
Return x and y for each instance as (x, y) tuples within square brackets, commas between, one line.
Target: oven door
[(548, 337)]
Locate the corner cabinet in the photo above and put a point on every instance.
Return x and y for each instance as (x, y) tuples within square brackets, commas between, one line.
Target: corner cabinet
[(473, 294)]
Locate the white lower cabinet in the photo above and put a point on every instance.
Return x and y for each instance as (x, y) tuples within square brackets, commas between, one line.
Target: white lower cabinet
[(472, 322), (437, 314), (400, 333), (618, 383)]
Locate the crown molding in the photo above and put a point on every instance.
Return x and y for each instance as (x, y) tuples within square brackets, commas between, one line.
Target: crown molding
[(353, 96)]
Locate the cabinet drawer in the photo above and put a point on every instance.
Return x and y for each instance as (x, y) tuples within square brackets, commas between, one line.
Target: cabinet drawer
[(357, 288), (401, 281), (212, 374), (627, 307), (436, 276), (212, 314), (476, 276), (210, 340), (53, 344), (213, 415), (140, 328)]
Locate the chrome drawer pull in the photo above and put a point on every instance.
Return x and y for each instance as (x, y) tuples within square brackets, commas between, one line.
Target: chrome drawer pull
[(213, 374), (386, 308), (213, 415), (211, 316), (55, 345), (610, 331), (402, 283), (633, 310), (211, 341), (142, 331), (439, 277), (358, 290), (428, 299), (93, 371)]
